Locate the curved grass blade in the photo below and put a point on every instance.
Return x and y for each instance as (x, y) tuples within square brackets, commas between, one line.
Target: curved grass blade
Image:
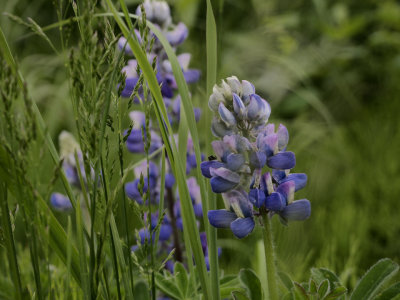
[(211, 44), (189, 220)]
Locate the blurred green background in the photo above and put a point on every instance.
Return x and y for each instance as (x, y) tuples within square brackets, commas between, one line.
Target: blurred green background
[(331, 72)]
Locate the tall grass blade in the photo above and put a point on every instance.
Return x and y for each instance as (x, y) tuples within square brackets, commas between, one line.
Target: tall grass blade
[(120, 256), (211, 44), (189, 220)]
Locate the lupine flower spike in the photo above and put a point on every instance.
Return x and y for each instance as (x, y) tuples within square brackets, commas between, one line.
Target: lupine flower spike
[(247, 145)]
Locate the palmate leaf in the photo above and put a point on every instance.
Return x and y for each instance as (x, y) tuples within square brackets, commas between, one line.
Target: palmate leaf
[(373, 279)]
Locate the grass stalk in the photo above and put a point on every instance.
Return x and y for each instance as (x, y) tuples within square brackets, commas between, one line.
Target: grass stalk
[(10, 244)]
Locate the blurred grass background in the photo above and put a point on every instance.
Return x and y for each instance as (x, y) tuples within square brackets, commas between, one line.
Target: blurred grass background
[(331, 72)]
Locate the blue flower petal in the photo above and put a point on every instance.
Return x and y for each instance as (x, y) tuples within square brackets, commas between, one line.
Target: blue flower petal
[(198, 210), (242, 227), (220, 185), (226, 174), (283, 137), (60, 202), (130, 84), (132, 191), (197, 113), (297, 210), (278, 175), (221, 218), (286, 189), (282, 160), (275, 202), (258, 159), (226, 115), (191, 75), (206, 165), (235, 161), (300, 180), (178, 35), (257, 197), (169, 180), (238, 106), (165, 232)]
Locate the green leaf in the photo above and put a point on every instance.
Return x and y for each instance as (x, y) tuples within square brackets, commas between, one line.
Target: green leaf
[(229, 280), (336, 293), (167, 286), (389, 293), (369, 284), (320, 274), (323, 288), (287, 282), (313, 287), (239, 296), (141, 291), (299, 293), (251, 281), (181, 278)]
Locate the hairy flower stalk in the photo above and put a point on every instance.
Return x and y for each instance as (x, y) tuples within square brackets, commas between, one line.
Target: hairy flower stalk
[(252, 167)]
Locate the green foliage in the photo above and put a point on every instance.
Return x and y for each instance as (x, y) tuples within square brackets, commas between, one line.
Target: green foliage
[(253, 285), (375, 277), (330, 71)]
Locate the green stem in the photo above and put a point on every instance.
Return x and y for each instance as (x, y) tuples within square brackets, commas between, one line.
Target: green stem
[(269, 258)]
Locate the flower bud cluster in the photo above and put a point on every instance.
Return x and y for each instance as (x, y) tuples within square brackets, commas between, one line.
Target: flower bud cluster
[(249, 145), (238, 108), (158, 12)]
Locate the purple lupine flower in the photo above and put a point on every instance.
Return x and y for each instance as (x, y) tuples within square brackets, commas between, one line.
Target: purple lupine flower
[(68, 147), (227, 172), (175, 114), (194, 191), (157, 12), (300, 179), (204, 246), (248, 145), (134, 142), (132, 188), (165, 231), (273, 145), (238, 215), (238, 109), (60, 202), (278, 197)]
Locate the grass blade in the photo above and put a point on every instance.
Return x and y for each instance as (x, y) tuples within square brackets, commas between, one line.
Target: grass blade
[(9, 241), (211, 44), (189, 219)]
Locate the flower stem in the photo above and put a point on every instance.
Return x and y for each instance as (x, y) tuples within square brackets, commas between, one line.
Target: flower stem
[(269, 259)]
